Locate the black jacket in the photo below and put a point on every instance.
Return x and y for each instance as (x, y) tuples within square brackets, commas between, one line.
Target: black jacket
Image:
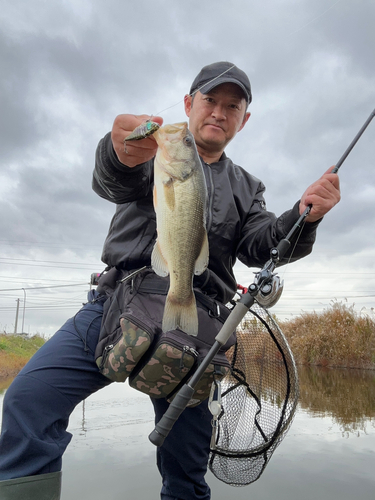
[(238, 224)]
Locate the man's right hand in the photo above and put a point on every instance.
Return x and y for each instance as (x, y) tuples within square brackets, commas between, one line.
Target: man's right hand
[(137, 151)]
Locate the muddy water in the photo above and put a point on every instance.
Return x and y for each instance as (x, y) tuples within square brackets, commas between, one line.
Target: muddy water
[(329, 452)]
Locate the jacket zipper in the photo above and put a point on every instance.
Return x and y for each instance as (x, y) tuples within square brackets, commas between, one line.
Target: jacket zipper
[(106, 350), (210, 184), (194, 353), (185, 350)]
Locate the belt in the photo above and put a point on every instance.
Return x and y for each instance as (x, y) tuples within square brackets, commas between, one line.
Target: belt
[(159, 286), (152, 283)]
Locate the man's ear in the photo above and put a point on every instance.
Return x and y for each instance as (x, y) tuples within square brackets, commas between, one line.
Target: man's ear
[(187, 102), (245, 119)]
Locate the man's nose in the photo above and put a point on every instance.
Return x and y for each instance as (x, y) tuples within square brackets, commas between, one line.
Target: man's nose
[(219, 113)]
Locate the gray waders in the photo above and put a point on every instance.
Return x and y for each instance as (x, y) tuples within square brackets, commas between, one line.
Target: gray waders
[(40, 487)]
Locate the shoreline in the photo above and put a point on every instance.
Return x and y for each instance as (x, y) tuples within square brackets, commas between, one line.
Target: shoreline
[(15, 352), (8, 376)]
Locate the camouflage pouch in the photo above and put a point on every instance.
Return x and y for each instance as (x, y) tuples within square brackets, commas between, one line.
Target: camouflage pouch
[(126, 331), (121, 356), (132, 344), (171, 362), (174, 356)]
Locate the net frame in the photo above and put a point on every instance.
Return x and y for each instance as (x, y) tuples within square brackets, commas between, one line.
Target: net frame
[(257, 405)]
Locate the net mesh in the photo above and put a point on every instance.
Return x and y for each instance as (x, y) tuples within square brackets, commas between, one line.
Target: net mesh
[(258, 401)]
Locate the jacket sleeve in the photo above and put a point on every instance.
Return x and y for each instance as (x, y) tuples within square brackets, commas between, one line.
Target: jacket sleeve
[(262, 231), (116, 182)]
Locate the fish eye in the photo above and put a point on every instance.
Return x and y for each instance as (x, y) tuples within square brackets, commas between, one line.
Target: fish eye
[(188, 141)]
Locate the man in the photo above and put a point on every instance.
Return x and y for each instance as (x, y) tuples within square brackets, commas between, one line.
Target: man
[(63, 372)]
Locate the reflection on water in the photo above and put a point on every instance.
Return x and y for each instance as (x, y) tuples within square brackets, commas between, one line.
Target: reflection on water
[(347, 396), (110, 455)]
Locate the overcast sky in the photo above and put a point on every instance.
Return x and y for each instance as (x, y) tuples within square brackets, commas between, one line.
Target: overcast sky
[(69, 67)]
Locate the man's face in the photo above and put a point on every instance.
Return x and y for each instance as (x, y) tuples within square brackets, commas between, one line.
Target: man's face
[(216, 117)]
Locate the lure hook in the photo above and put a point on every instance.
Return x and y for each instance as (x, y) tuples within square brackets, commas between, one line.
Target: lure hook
[(143, 130)]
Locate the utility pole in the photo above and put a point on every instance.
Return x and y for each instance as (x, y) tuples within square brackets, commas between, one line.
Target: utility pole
[(15, 323), (24, 306)]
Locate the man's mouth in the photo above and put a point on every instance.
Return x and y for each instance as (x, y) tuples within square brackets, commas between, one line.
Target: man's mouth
[(215, 125)]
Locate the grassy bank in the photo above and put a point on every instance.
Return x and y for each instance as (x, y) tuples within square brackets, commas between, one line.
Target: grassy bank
[(338, 336), (15, 351)]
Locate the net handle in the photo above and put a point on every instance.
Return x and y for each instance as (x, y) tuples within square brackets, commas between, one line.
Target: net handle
[(182, 398)]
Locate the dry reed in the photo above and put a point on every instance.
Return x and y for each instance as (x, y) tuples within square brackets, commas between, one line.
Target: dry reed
[(338, 336)]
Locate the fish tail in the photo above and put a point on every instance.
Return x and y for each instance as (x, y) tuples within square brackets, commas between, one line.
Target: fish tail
[(181, 315)]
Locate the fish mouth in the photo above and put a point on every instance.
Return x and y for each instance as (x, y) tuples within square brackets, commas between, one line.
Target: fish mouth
[(171, 133), (175, 127)]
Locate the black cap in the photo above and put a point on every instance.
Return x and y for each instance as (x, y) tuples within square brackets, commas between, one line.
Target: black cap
[(221, 72)]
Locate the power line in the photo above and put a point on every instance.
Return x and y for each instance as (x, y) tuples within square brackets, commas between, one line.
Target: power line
[(313, 273), (47, 308), (49, 261), (44, 265), (13, 278), (42, 244), (40, 287)]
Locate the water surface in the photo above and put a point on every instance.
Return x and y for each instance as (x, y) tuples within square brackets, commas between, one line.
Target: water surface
[(327, 454)]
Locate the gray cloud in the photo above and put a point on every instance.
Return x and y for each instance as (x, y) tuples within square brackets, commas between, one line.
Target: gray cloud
[(68, 68)]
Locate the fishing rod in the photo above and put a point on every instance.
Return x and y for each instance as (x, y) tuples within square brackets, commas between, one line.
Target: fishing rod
[(348, 150), (261, 286)]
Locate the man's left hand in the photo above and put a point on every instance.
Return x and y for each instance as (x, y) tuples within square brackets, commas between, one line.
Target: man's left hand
[(322, 195)]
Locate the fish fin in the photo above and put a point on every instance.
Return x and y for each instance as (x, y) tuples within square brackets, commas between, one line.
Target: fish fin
[(183, 316), (202, 261), (158, 263)]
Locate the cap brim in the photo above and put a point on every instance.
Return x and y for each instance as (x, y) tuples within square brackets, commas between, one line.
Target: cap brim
[(207, 87)]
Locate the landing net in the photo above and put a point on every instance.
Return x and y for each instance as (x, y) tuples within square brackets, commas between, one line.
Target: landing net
[(258, 401)]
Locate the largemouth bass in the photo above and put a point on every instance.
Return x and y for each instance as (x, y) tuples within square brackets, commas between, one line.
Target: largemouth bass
[(181, 248)]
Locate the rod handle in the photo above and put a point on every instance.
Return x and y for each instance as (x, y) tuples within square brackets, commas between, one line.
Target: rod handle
[(165, 424)]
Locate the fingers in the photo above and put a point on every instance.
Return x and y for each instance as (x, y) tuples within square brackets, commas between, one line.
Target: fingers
[(333, 178), (137, 152), (323, 195)]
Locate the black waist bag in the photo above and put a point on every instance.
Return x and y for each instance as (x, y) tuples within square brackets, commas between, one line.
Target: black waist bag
[(132, 345)]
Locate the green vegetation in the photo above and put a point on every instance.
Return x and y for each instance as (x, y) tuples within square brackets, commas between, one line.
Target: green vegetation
[(15, 351), (338, 336)]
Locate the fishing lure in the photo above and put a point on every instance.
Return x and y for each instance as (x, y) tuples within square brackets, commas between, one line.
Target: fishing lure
[(149, 127), (142, 131)]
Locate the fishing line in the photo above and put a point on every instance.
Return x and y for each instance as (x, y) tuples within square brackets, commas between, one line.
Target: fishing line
[(302, 218), (294, 247), (314, 19), (223, 73), (182, 100)]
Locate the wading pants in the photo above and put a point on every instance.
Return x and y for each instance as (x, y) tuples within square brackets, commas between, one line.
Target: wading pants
[(60, 375)]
